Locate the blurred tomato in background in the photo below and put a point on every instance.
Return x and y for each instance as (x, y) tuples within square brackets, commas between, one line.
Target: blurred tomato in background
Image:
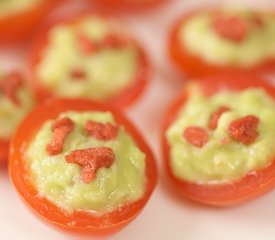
[(19, 18)]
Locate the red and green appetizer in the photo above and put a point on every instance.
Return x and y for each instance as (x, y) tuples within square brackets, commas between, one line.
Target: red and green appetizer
[(82, 167), (219, 139), (223, 40), (16, 101), (89, 56), (18, 18)]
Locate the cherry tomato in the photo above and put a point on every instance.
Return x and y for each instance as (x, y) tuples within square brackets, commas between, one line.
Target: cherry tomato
[(129, 4), (250, 186), (17, 26), (122, 98), (84, 221), (233, 29)]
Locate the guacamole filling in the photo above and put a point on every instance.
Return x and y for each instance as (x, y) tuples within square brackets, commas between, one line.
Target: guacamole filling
[(91, 57), (223, 137), (10, 7), (16, 101), (234, 37), (86, 161)]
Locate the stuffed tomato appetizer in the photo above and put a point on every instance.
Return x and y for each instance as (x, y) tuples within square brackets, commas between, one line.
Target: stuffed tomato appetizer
[(132, 4), (82, 167), (18, 18), (89, 56), (16, 101), (219, 140), (223, 40)]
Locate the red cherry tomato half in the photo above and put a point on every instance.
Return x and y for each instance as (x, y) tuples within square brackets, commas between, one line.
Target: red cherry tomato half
[(130, 4), (193, 65), (84, 222), (249, 186), (123, 98), (19, 25)]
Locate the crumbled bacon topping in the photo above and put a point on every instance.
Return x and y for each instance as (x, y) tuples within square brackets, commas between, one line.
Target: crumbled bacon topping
[(101, 131), (78, 74), (196, 136), (61, 128), (10, 85), (86, 45), (232, 28), (258, 21), (90, 160), (114, 41), (213, 123), (244, 129), (225, 141)]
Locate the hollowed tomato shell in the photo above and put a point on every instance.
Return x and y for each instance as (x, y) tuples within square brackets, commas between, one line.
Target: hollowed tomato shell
[(250, 186), (79, 222), (124, 98), (18, 26), (194, 66)]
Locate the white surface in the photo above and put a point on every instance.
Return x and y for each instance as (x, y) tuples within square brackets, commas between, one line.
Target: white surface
[(165, 217)]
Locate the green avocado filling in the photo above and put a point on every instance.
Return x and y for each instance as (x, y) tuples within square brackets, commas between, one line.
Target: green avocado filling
[(8, 7), (218, 160), (105, 72), (199, 38), (60, 182)]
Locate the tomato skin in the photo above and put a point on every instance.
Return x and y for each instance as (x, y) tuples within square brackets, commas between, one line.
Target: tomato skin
[(124, 98), (4, 151), (251, 185), (126, 5), (18, 26), (83, 222), (194, 66)]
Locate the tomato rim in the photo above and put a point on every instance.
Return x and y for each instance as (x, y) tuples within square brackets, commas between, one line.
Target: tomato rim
[(24, 22), (251, 185), (80, 222), (4, 151), (123, 98), (192, 65), (132, 6)]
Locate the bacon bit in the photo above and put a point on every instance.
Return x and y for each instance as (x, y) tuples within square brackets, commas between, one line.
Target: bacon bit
[(90, 160), (225, 141), (113, 41), (244, 129), (10, 85), (258, 21), (61, 128), (78, 74), (196, 136), (101, 131), (86, 45), (232, 28), (216, 116)]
